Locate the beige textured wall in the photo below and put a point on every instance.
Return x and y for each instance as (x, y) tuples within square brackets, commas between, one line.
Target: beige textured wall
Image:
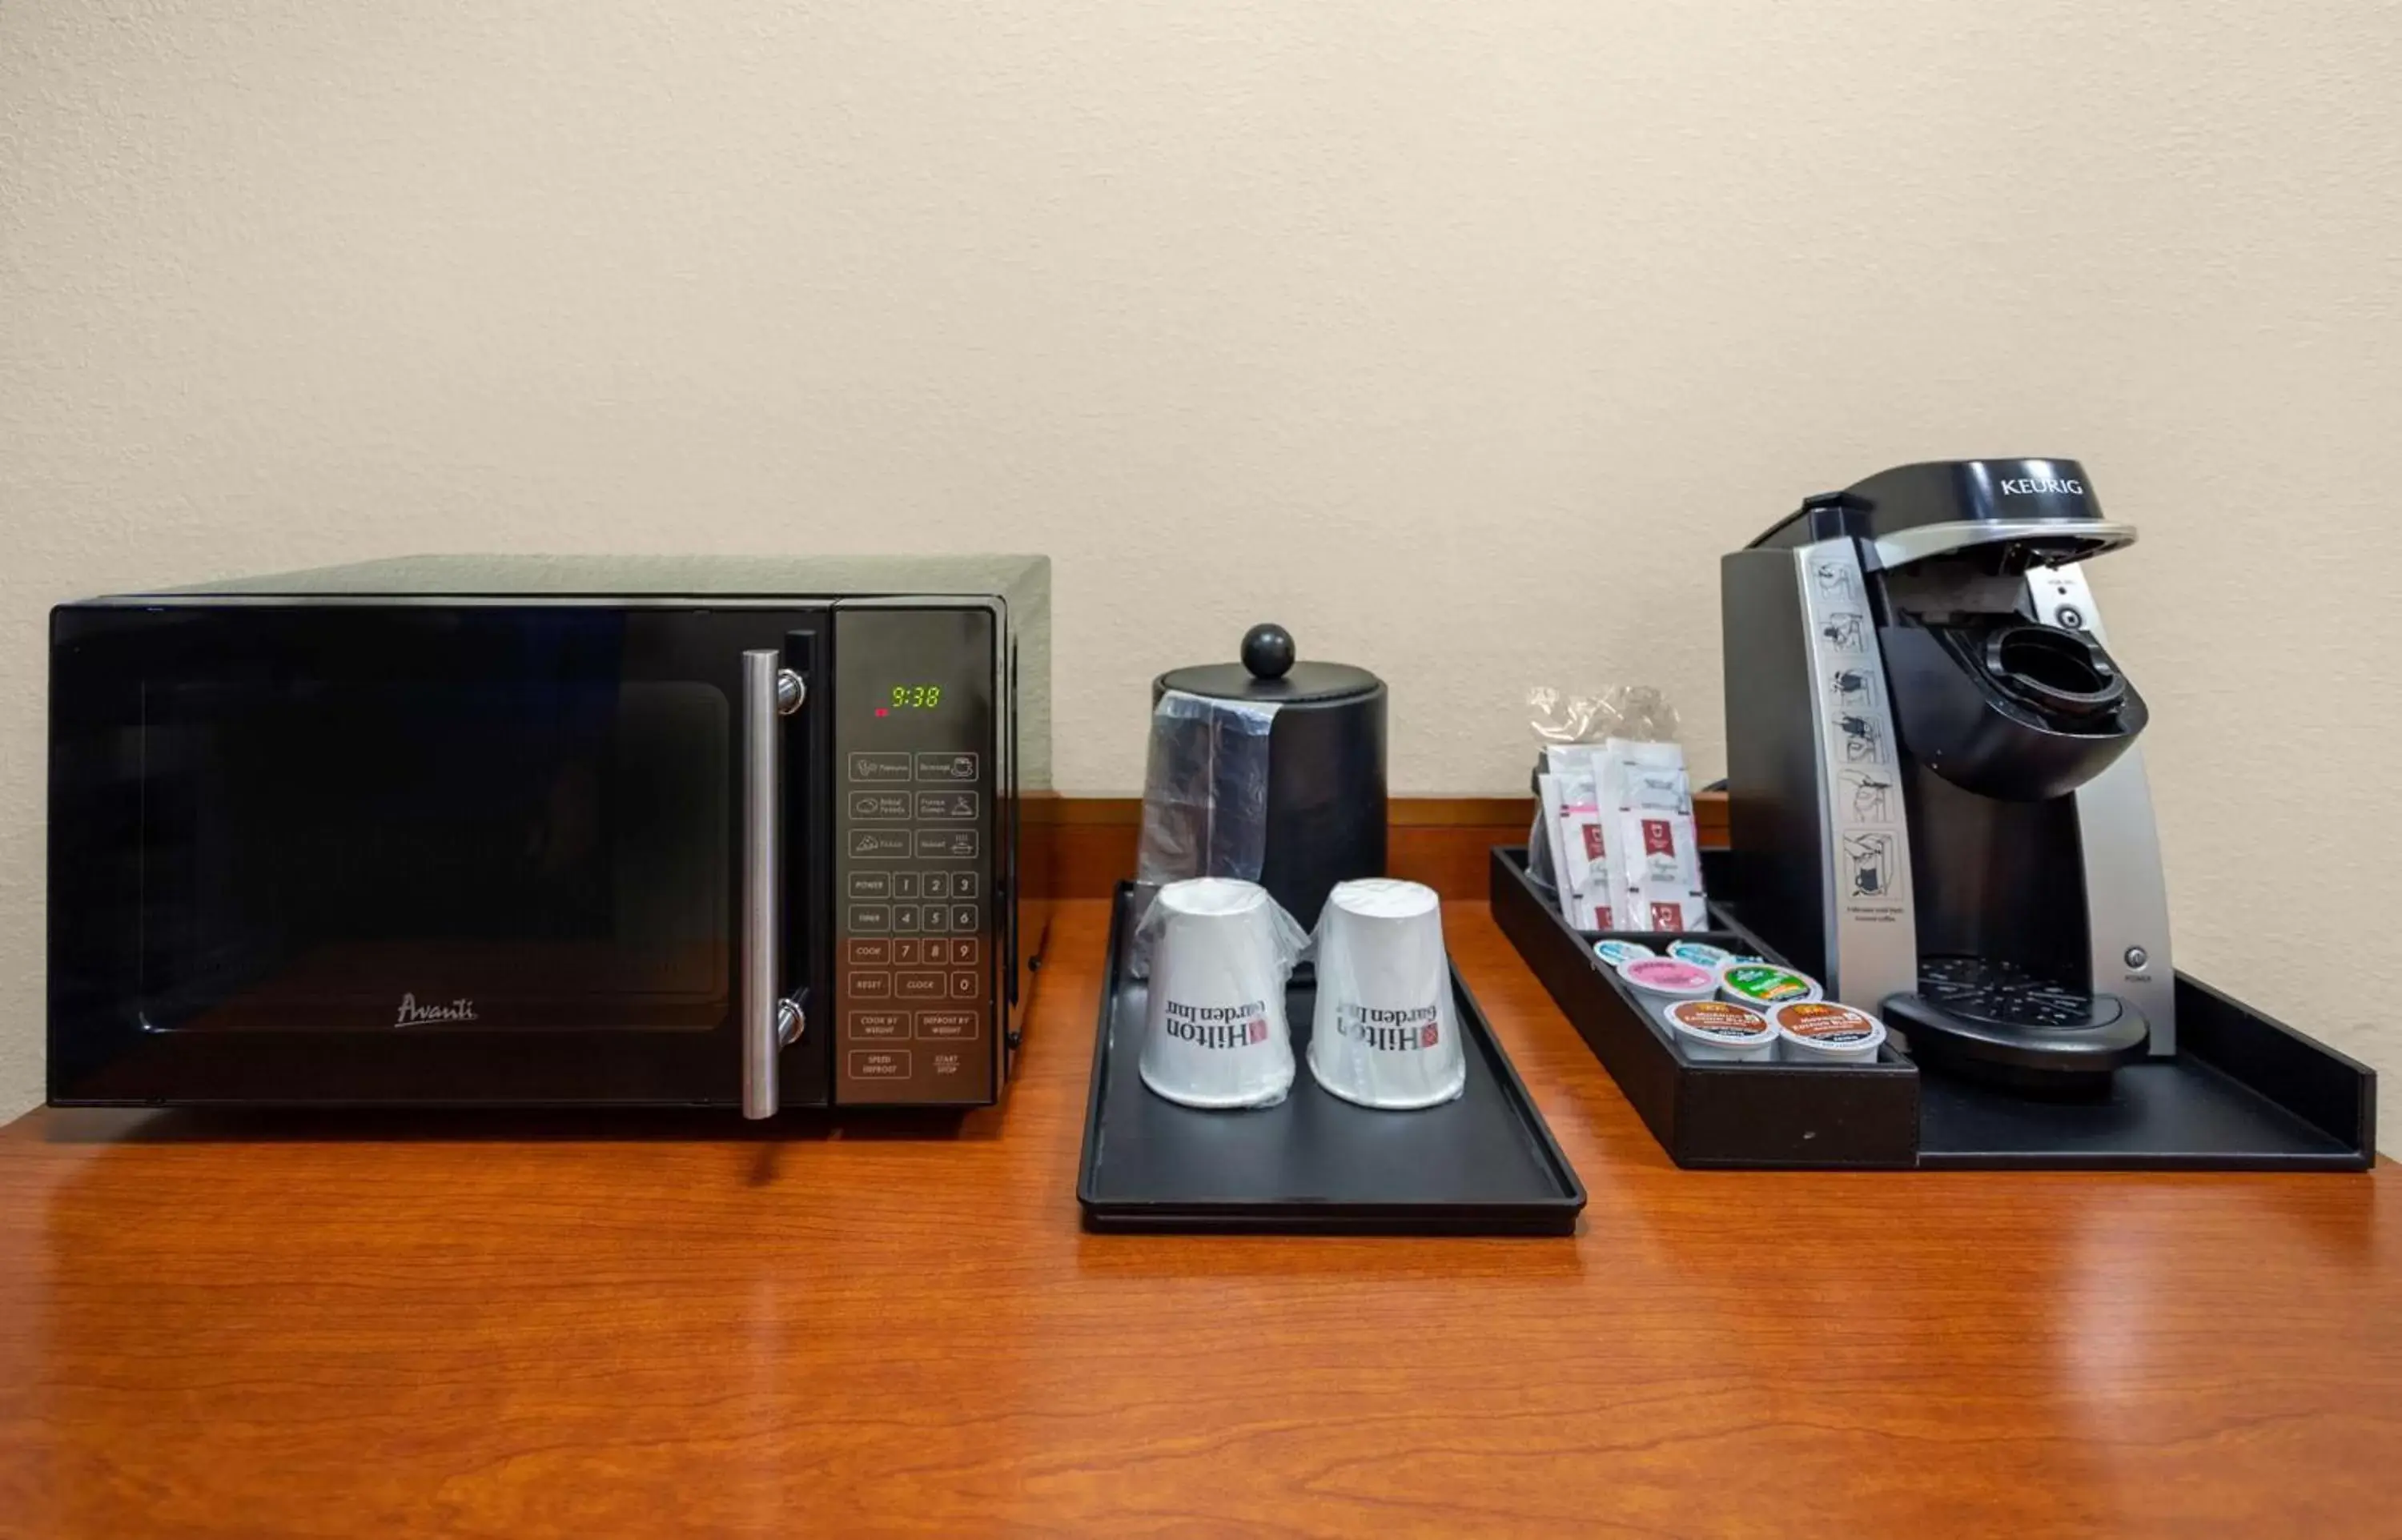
[(1461, 337)]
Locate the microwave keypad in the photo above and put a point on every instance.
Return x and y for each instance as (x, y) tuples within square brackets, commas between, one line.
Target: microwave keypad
[(915, 950)]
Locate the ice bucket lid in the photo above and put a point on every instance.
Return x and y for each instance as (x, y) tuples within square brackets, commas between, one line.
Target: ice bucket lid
[(1270, 676)]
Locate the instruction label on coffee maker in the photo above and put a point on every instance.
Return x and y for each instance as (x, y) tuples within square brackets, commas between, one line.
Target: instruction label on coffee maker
[(1872, 929)]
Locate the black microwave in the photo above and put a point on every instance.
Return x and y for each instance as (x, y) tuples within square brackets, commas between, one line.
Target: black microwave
[(546, 832)]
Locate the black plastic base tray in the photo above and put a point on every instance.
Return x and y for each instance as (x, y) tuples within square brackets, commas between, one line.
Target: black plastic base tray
[(2243, 1093), (1485, 1164)]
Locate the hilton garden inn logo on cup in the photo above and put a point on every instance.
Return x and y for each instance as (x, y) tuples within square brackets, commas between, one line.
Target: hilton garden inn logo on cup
[(1407, 1031), (1225, 1026), (1383, 1034), (1214, 1030)]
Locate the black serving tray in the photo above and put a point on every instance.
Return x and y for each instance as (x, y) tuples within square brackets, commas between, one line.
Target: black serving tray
[(1485, 1164), (2243, 1091), (1709, 1114)]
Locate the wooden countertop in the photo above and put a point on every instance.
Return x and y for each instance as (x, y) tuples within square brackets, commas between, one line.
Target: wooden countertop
[(582, 1335)]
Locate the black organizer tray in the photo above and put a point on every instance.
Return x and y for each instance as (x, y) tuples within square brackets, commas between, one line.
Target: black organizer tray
[(1485, 1164), (2243, 1092)]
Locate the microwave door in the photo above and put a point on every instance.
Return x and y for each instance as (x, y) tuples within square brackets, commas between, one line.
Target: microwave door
[(434, 853)]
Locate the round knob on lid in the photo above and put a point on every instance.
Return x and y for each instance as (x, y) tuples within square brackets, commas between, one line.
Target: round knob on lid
[(1267, 650)]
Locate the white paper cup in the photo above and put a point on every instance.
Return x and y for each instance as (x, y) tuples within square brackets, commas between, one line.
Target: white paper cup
[(1385, 1034), (1718, 1031), (1824, 1032), (1214, 1029)]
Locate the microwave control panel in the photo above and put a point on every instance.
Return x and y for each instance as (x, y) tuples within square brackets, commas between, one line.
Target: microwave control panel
[(915, 963)]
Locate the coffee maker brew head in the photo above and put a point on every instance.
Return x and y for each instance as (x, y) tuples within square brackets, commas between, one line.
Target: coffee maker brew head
[(1999, 701), (1996, 519)]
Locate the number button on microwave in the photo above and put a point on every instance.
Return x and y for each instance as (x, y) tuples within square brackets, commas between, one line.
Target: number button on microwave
[(907, 952), (938, 952), (904, 884), (963, 885), (938, 884), (963, 984), (907, 918), (964, 917), (937, 918)]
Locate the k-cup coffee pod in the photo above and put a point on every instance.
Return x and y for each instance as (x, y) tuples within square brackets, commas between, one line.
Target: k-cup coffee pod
[(1764, 986), (1700, 953), (1614, 953), (1214, 1028), (1384, 1034), (1722, 1031), (1824, 1032), (1660, 982)]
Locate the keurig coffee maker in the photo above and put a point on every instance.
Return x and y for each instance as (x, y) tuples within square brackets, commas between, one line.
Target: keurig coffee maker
[(1935, 796)]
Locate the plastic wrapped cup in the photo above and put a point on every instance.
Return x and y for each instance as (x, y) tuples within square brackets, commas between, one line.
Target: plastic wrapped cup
[(1717, 1031), (1824, 1032), (1214, 1029), (1384, 1034)]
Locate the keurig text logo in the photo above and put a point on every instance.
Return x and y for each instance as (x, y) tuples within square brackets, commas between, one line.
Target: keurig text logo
[(2025, 486), (1218, 1025), (1390, 1031)]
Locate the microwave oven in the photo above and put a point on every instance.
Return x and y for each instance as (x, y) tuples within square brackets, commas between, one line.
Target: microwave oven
[(547, 831)]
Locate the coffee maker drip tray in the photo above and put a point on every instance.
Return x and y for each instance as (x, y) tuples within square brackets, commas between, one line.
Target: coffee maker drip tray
[(1994, 1019)]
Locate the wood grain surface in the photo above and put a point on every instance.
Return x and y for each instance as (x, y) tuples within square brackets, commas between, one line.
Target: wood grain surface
[(536, 1327)]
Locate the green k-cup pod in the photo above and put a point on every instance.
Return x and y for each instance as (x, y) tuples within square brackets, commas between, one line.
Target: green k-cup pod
[(1764, 986)]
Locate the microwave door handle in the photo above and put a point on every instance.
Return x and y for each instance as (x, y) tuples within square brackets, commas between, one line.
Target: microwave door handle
[(770, 691)]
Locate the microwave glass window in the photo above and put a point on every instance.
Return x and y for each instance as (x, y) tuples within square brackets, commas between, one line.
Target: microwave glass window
[(539, 852)]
